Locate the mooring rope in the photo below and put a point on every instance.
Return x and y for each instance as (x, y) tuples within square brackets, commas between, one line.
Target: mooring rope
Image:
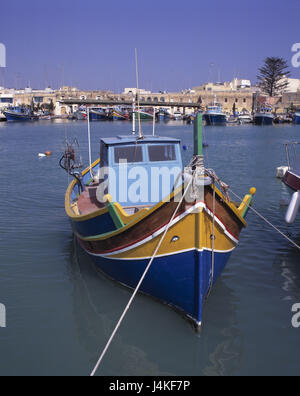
[(140, 282), (213, 238), (267, 221)]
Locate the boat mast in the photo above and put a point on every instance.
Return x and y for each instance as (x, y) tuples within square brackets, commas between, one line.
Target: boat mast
[(89, 140), (198, 137), (153, 121), (133, 115), (138, 95)]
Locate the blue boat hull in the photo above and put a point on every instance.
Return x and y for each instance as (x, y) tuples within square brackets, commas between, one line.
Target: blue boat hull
[(181, 281), (297, 119), (263, 120), (215, 119), (98, 117), (18, 117)]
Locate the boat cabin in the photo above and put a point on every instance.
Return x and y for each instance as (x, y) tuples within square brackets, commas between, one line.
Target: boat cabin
[(140, 172)]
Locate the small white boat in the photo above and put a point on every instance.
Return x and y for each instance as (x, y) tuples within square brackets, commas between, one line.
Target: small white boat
[(245, 118), (177, 115)]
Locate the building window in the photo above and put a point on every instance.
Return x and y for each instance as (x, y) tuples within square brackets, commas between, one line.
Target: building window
[(162, 99), (245, 100), (6, 100), (225, 100), (236, 100), (38, 99), (149, 99)]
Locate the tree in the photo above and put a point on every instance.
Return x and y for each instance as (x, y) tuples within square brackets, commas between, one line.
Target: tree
[(234, 108), (272, 77)]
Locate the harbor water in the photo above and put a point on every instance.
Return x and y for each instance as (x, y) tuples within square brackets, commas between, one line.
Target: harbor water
[(61, 310)]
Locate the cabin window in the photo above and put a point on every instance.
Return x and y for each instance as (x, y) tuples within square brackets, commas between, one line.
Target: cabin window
[(162, 153), (103, 155), (130, 153)]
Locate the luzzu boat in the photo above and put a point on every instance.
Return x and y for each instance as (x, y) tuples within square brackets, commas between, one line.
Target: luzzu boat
[(143, 115), (194, 225), (119, 114)]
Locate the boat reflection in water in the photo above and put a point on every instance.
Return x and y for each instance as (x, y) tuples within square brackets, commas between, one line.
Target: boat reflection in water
[(153, 340)]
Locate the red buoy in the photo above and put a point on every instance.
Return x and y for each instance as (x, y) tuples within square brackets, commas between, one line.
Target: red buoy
[(48, 153)]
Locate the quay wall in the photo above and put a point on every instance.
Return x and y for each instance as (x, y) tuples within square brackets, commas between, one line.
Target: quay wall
[(243, 99)]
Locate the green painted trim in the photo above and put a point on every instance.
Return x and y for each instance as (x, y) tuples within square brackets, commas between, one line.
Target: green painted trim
[(114, 215), (198, 137), (248, 204)]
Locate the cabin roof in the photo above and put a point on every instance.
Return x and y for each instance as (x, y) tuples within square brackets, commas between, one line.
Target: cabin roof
[(130, 139)]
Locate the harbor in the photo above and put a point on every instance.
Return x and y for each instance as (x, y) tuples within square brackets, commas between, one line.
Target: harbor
[(78, 306), (150, 192)]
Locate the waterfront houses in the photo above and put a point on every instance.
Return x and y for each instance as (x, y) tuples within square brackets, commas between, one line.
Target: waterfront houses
[(237, 94)]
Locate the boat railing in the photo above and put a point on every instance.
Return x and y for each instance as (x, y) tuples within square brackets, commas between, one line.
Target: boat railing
[(293, 154)]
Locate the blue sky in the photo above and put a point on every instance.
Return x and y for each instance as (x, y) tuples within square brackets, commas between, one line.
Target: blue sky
[(90, 44)]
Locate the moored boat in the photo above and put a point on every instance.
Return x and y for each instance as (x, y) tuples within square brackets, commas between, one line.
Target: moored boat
[(120, 114), (20, 114), (244, 118), (184, 222), (291, 180), (296, 118), (143, 115), (264, 116), (214, 114), (177, 115), (99, 114)]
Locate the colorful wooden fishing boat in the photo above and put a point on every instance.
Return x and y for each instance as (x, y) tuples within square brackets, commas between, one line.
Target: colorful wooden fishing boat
[(195, 223), (143, 115), (119, 114)]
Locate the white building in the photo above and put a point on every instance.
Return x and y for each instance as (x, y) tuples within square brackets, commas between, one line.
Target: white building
[(134, 91), (293, 85)]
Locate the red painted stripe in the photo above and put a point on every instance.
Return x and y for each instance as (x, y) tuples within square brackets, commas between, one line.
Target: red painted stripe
[(84, 243)]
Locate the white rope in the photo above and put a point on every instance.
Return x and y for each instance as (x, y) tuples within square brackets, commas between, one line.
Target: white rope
[(139, 284), (213, 237), (268, 222)]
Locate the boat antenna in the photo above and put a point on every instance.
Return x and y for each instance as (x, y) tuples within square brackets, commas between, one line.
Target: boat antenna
[(89, 141), (138, 95), (133, 115)]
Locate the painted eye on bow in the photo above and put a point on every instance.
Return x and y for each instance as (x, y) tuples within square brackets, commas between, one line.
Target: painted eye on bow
[(175, 238)]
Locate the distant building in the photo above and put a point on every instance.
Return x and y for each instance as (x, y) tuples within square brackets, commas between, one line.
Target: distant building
[(234, 85), (134, 91), (240, 84), (293, 85)]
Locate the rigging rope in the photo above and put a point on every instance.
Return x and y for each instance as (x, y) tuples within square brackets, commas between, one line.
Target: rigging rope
[(267, 221), (224, 187), (140, 282), (213, 238)]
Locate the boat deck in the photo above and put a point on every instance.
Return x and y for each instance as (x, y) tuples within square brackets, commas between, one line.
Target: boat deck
[(87, 202)]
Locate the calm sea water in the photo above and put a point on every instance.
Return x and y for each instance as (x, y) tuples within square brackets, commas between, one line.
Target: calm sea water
[(61, 310)]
